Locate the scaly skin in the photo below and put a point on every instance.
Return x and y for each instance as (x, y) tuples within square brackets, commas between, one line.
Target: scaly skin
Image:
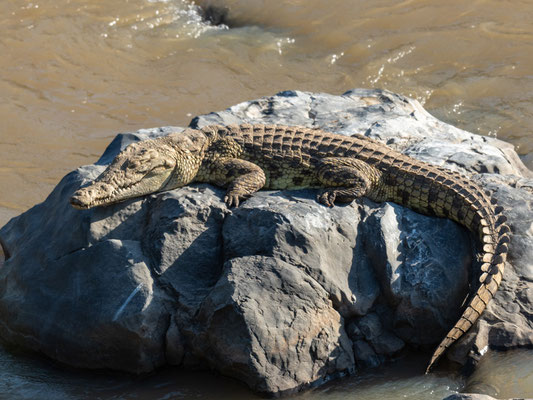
[(247, 158)]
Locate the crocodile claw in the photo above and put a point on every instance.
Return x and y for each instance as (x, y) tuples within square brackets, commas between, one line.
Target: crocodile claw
[(327, 197), (231, 200)]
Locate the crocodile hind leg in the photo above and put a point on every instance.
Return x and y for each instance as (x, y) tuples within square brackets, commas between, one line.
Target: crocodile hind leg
[(345, 179), (242, 178)]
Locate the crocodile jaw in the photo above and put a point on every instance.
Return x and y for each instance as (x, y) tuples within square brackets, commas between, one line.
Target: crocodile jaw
[(103, 194), (137, 171)]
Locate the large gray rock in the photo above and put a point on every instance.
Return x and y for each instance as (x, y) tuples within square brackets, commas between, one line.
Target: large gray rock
[(282, 292)]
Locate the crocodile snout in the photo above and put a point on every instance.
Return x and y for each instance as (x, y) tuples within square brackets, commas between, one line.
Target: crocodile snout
[(91, 196), (80, 200)]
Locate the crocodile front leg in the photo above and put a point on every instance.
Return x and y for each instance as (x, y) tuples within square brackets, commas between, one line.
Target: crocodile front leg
[(242, 178), (345, 179)]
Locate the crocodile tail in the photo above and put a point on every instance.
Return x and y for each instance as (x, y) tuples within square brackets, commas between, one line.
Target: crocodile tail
[(494, 237)]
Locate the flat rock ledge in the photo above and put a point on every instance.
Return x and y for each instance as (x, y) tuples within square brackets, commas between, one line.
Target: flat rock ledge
[(281, 293)]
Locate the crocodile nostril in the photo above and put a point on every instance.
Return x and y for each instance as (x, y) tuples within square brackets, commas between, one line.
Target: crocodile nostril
[(77, 202)]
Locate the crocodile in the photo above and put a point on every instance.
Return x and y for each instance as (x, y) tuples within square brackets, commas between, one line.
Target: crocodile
[(246, 158)]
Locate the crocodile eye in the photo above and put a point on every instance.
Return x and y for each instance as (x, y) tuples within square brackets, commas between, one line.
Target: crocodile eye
[(133, 164)]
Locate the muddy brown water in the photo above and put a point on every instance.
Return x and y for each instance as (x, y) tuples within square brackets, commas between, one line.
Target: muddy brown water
[(73, 73)]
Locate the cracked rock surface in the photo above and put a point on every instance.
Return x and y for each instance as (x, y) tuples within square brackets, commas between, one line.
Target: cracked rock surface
[(282, 292)]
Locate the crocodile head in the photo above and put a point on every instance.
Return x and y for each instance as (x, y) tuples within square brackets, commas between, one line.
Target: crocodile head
[(145, 167)]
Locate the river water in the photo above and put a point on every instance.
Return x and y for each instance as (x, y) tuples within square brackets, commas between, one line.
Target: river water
[(76, 72)]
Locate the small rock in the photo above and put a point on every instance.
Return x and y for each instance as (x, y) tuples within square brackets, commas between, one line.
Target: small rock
[(468, 396), (365, 356)]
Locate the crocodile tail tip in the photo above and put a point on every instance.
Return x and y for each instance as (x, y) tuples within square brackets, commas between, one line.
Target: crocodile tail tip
[(434, 358), (441, 348)]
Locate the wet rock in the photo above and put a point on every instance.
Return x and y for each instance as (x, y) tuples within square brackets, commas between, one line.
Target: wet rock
[(472, 396), (365, 356), (383, 342), (282, 292), (215, 15), (469, 396)]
